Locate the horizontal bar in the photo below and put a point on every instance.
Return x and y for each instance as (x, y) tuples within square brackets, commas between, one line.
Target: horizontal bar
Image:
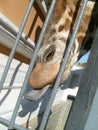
[(7, 39), (11, 87), (6, 123), (63, 65), (16, 43), (31, 65), (14, 32)]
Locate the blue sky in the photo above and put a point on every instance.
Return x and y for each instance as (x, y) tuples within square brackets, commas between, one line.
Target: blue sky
[(84, 58)]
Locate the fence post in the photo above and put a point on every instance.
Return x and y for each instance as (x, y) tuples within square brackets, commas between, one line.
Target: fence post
[(88, 86)]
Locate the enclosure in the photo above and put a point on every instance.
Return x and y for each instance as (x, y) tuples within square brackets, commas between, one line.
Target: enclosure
[(59, 108)]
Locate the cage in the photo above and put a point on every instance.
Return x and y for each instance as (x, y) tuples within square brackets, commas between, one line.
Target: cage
[(24, 114)]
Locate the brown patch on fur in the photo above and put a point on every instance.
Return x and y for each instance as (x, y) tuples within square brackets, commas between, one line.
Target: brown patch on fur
[(67, 25), (70, 13), (53, 31), (80, 39), (61, 27)]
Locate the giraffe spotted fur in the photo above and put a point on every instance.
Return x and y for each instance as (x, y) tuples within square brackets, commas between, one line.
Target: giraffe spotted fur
[(56, 40)]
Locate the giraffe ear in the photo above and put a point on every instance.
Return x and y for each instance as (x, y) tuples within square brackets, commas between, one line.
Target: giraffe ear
[(61, 27)]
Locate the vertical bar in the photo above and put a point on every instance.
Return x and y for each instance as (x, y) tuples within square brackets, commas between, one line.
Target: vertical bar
[(63, 65), (16, 43), (31, 65), (87, 90)]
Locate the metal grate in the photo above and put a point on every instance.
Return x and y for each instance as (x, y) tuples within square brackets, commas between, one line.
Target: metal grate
[(11, 124)]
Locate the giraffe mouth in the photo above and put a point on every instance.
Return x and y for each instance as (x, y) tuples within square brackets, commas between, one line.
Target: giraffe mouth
[(36, 94)]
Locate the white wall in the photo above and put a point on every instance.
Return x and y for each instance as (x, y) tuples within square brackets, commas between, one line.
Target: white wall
[(16, 72)]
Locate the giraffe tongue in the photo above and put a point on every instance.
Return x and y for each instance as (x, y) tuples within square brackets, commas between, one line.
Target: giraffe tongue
[(36, 94)]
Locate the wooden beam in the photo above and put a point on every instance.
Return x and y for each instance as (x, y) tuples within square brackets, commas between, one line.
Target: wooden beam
[(84, 99)]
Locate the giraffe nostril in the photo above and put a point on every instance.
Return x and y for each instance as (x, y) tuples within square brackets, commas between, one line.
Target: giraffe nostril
[(49, 53)]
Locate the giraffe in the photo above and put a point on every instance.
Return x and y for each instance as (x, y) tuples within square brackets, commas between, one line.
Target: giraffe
[(56, 40)]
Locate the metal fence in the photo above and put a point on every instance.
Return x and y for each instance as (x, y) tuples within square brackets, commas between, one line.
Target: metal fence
[(11, 124)]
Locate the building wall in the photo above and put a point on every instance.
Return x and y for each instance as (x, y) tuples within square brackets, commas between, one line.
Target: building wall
[(14, 10)]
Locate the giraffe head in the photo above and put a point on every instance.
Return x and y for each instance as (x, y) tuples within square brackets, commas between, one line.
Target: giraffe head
[(47, 64), (56, 41)]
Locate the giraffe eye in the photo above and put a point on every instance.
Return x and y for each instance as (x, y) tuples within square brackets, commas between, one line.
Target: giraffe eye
[(49, 53)]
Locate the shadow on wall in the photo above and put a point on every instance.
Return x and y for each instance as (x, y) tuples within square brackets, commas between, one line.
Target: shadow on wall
[(11, 83)]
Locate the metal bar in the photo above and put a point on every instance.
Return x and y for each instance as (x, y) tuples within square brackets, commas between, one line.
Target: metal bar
[(6, 123), (11, 87), (31, 65), (16, 43), (8, 29), (63, 65), (86, 95)]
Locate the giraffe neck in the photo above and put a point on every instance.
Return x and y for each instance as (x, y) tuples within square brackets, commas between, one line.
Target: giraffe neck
[(63, 18)]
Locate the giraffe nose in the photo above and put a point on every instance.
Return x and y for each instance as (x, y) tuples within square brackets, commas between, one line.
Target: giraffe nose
[(43, 74)]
